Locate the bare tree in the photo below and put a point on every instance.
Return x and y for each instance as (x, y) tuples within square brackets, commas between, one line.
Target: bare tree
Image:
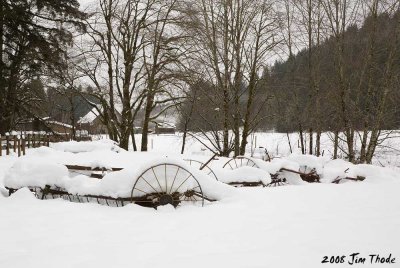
[(161, 61), (114, 61), (231, 41), (340, 14)]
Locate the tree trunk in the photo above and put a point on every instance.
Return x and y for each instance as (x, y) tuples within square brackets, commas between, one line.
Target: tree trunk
[(303, 151), (133, 139), (290, 144), (336, 145), (225, 140), (3, 129), (318, 143), (350, 144), (146, 122), (184, 140)]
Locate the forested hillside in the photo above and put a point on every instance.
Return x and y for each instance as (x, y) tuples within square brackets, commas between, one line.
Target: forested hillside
[(365, 70)]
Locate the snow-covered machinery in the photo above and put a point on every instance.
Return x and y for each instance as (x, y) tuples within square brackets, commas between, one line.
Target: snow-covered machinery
[(160, 183), (278, 170), (245, 172), (202, 166), (240, 161), (165, 184)]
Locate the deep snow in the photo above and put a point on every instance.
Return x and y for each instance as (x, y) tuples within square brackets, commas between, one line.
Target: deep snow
[(289, 226)]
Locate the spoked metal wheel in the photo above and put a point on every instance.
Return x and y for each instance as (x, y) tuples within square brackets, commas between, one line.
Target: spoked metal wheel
[(200, 165), (165, 184), (240, 161), (277, 180), (308, 174)]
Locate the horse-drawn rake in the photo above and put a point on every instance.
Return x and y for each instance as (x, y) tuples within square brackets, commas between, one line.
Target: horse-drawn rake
[(240, 161), (158, 185), (165, 184), (277, 179), (202, 166)]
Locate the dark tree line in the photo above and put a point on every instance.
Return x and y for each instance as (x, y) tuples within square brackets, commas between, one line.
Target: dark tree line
[(33, 35), (358, 71), (293, 72)]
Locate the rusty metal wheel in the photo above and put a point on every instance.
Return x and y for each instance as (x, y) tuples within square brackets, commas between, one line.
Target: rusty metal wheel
[(201, 166), (276, 180), (165, 184), (240, 161)]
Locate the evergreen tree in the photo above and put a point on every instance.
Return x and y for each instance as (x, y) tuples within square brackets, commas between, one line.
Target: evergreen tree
[(33, 35)]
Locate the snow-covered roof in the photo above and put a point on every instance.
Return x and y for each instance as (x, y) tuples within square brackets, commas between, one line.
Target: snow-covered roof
[(58, 123), (165, 124), (89, 117)]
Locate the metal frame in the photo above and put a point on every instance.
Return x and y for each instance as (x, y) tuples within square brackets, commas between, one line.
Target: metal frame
[(311, 177), (202, 167), (159, 196), (276, 181), (53, 193), (154, 198), (247, 184), (241, 160)]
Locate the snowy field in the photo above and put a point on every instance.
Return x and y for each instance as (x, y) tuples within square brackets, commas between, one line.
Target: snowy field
[(290, 226)]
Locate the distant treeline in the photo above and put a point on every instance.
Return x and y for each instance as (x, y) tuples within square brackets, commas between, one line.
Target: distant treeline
[(365, 67)]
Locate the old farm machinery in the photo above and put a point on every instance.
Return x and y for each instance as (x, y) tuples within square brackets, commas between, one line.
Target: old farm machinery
[(277, 179), (202, 166), (158, 185)]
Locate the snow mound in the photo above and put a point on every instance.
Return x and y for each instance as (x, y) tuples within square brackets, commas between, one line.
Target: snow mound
[(120, 183), (242, 174), (3, 192), (341, 169), (334, 169), (277, 164), (34, 172), (86, 146), (23, 194), (309, 162)]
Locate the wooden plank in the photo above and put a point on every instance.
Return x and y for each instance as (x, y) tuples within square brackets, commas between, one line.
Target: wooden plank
[(78, 167)]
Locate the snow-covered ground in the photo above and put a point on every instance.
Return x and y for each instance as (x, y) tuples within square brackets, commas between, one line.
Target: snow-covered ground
[(276, 144), (289, 226)]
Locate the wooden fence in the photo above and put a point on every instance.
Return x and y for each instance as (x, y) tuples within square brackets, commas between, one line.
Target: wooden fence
[(19, 143)]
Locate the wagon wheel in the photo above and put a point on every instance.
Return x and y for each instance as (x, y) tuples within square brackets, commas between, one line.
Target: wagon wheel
[(165, 184), (199, 165), (240, 161), (277, 181), (309, 174)]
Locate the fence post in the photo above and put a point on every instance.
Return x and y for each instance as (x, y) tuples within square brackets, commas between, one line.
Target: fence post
[(29, 140), (15, 143), (19, 147), (48, 140), (7, 145), (39, 139), (1, 145), (23, 145)]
